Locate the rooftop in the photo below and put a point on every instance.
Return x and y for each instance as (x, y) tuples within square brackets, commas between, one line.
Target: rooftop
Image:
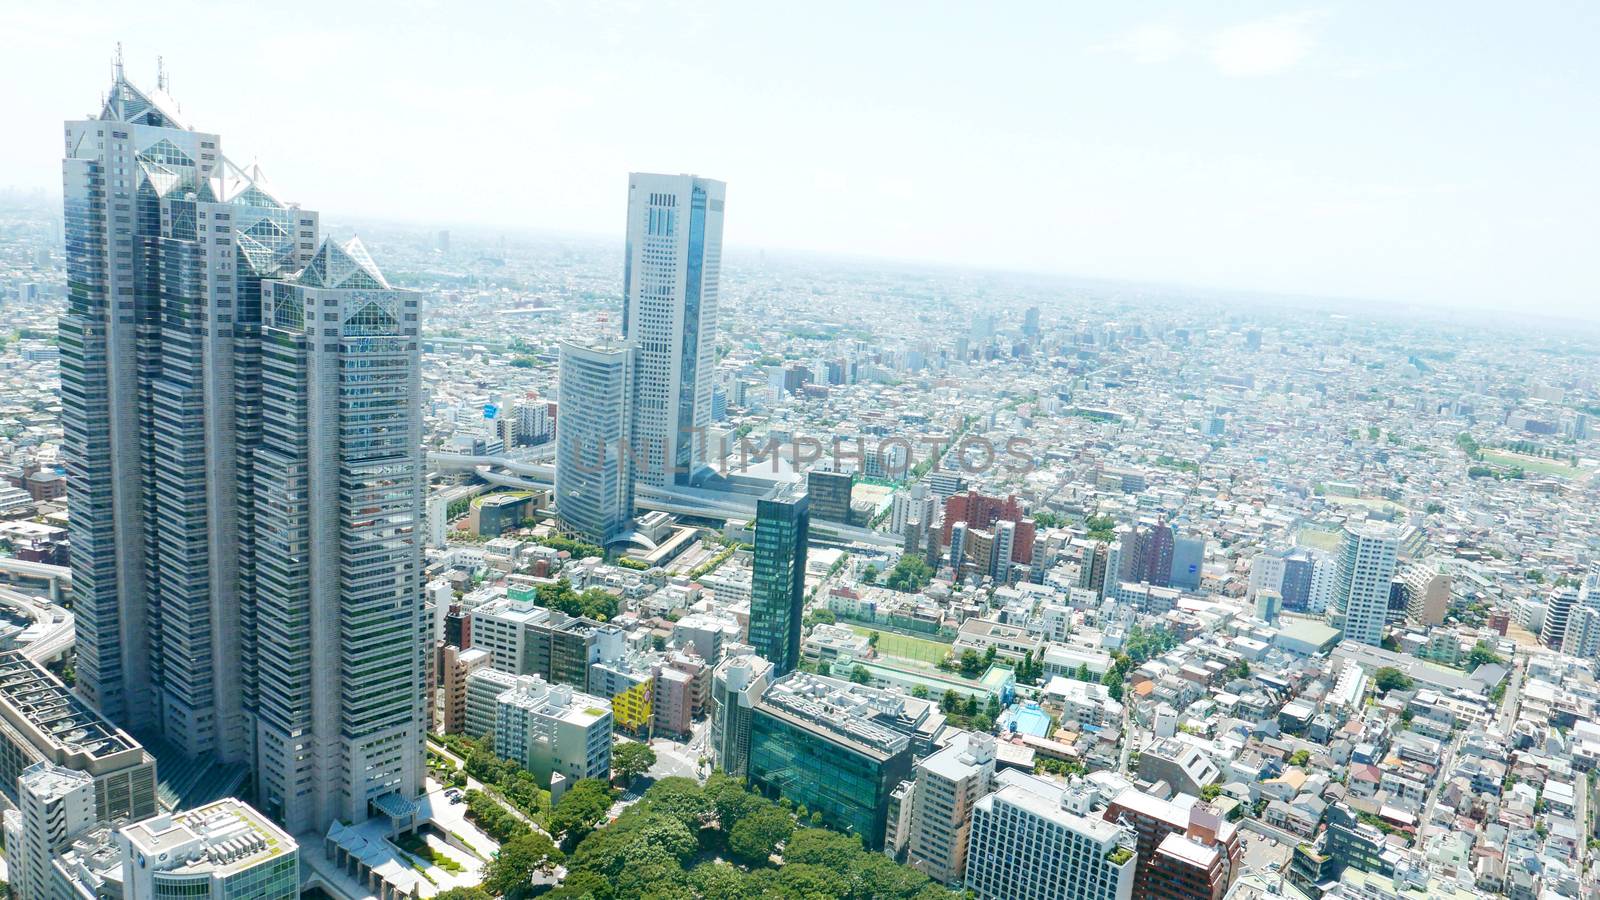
[(222, 837), (35, 700)]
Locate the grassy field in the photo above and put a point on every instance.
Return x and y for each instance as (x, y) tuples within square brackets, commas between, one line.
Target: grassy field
[(1319, 539), (901, 646), (1534, 465)]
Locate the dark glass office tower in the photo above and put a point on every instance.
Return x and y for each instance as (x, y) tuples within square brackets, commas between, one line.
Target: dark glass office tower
[(778, 587)]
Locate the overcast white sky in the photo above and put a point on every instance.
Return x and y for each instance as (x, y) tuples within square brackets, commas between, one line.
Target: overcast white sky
[(1436, 152)]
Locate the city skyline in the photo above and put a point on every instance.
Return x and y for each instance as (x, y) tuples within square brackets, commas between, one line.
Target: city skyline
[(1244, 187)]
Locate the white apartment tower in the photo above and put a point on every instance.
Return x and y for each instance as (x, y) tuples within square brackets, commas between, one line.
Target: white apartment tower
[(670, 277), (339, 529), (1361, 592), (55, 805)]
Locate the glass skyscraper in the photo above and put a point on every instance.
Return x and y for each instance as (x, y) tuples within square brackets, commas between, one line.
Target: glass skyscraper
[(594, 477), (245, 495), (778, 582), (338, 527), (670, 278), (167, 242)]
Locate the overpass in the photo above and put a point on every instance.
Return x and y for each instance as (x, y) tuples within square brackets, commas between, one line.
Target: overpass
[(524, 474), (56, 578), (52, 633)]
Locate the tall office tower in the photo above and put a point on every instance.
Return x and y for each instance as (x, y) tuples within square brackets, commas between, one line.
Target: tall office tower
[(1030, 321), (830, 495), (1033, 839), (595, 454), (778, 582), (948, 784), (1361, 590), (1558, 610), (669, 310), (1295, 586), (166, 246), (339, 536), (56, 806)]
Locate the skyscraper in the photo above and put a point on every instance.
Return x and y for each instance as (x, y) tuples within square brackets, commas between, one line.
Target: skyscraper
[(778, 583), (339, 531), (1361, 591), (594, 443), (669, 310), (167, 243)]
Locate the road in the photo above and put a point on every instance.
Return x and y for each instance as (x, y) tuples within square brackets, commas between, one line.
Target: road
[(1508, 708), (474, 784)]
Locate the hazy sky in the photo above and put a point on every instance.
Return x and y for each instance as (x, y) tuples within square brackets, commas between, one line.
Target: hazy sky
[(1439, 152)]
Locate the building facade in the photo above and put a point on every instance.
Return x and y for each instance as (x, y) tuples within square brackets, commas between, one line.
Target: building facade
[(1361, 592), (339, 534), (671, 274), (595, 450), (1027, 841), (167, 246), (777, 591)]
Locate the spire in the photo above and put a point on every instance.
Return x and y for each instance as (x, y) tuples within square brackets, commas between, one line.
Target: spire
[(161, 74), (118, 63)]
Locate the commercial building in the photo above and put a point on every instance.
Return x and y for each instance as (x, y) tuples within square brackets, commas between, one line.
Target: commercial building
[(777, 591), (830, 495), (42, 721), (343, 643), (168, 244), (221, 851), (1361, 593), (669, 311), (737, 684), (834, 747), (948, 784), (1035, 839), (553, 730), (595, 453)]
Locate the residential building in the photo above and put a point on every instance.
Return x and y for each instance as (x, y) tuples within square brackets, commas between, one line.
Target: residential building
[(455, 667), (1035, 839), (1366, 569), (777, 592), (552, 729), (948, 784), (670, 280), (595, 453), (484, 687), (1185, 849), (737, 684)]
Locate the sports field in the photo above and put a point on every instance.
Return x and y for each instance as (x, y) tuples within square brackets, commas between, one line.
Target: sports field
[(902, 646), (1537, 465)]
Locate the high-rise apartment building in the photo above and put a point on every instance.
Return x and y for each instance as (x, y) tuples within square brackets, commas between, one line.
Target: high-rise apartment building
[(54, 806), (342, 648), (1361, 592), (595, 450), (1033, 840), (778, 583), (167, 245), (737, 684), (670, 279), (949, 783), (1558, 610)]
